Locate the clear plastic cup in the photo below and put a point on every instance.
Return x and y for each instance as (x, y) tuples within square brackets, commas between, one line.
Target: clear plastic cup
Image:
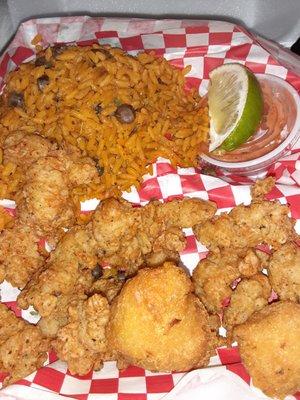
[(273, 139)]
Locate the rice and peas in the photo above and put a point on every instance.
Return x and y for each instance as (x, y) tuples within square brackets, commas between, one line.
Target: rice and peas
[(120, 110)]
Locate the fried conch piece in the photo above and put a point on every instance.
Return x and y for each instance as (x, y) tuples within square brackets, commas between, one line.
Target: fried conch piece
[(66, 272), (19, 255), (262, 187), (108, 287), (250, 295), (23, 149), (157, 322), (44, 204), (213, 277), (82, 341), (247, 226), (270, 349), (284, 272), (20, 150), (23, 349), (129, 237)]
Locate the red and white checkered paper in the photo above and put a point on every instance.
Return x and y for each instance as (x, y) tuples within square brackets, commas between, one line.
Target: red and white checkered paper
[(204, 45)]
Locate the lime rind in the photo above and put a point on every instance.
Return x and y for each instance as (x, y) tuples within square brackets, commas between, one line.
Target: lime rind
[(243, 130), (235, 106), (225, 107)]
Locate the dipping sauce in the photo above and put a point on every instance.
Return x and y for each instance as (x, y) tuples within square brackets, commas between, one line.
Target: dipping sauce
[(277, 133)]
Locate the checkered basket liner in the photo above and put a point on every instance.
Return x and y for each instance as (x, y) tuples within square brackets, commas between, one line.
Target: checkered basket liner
[(204, 45)]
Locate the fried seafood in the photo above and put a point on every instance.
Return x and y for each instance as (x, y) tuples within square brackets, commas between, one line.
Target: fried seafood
[(157, 323), (270, 349), (58, 317), (249, 296), (88, 285), (24, 149), (262, 187), (185, 213), (23, 349), (247, 226), (82, 341), (213, 277), (20, 256), (44, 204), (129, 237), (119, 234), (106, 286), (66, 272), (284, 272)]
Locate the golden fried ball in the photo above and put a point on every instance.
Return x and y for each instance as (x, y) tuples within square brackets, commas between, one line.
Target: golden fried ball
[(157, 322)]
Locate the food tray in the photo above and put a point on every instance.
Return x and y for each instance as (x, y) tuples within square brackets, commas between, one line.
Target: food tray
[(204, 45)]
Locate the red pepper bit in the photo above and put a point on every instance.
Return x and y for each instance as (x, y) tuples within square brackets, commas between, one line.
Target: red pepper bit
[(168, 136), (104, 265), (11, 211), (264, 248), (273, 297), (235, 283), (42, 243), (225, 302)]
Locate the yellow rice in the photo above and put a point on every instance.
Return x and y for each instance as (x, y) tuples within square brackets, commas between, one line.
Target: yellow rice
[(169, 121)]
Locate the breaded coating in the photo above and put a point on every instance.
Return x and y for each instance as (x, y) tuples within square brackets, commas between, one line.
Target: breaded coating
[(5, 219), (249, 296), (119, 234), (262, 187), (157, 322), (23, 349), (82, 341), (81, 171), (19, 255), (270, 348), (115, 226), (187, 212), (24, 149), (45, 203), (214, 275), (67, 271), (107, 287), (247, 226), (130, 236), (52, 323), (284, 272)]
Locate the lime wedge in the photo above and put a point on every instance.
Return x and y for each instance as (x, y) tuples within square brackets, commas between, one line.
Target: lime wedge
[(235, 106)]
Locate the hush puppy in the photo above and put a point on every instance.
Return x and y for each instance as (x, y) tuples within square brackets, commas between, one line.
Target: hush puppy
[(270, 348), (157, 322)]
